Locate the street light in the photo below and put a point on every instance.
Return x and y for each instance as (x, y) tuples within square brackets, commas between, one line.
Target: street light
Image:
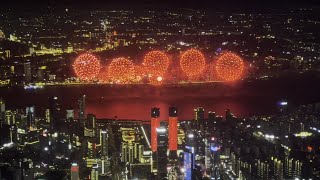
[(191, 135)]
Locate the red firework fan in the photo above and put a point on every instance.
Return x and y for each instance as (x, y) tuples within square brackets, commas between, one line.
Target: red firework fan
[(192, 62), (87, 67), (121, 70), (229, 67), (156, 63)]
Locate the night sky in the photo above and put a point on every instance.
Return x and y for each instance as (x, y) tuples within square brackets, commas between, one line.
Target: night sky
[(159, 3)]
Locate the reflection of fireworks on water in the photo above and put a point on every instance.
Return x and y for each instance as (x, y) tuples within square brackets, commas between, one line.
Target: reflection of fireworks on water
[(87, 67), (229, 67), (121, 70), (192, 62)]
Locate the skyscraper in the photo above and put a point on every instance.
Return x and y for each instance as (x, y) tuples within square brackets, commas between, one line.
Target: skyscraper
[(199, 117), (48, 116), (2, 109), (30, 116), (82, 109), (162, 159), (173, 131), (104, 142), (55, 111), (27, 71), (94, 172), (155, 123), (90, 126), (74, 171)]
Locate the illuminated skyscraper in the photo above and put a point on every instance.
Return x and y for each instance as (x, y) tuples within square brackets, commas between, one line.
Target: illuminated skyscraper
[(104, 151), (82, 109), (10, 117), (48, 116), (75, 171), (155, 123), (30, 116), (173, 132), (94, 172)]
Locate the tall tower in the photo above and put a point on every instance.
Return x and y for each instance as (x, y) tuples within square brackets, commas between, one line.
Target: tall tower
[(104, 151), (173, 132), (155, 123), (74, 171), (82, 109)]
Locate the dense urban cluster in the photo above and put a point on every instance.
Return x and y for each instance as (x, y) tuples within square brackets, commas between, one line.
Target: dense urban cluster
[(75, 144)]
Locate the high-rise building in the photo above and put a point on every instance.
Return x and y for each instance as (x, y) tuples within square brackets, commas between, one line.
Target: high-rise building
[(90, 126), (2, 110), (199, 117), (82, 109), (263, 169), (30, 116), (55, 111), (48, 116), (211, 120), (75, 171), (94, 172), (27, 72), (173, 132), (162, 159), (235, 164), (8, 54), (277, 168), (128, 137), (10, 118), (229, 116), (70, 114), (104, 142), (155, 123), (92, 147)]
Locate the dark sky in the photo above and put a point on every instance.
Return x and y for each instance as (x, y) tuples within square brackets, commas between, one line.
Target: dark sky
[(160, 3)]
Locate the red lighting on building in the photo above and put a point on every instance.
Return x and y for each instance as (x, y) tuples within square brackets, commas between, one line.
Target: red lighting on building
[(155, 123), (173, 133)]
